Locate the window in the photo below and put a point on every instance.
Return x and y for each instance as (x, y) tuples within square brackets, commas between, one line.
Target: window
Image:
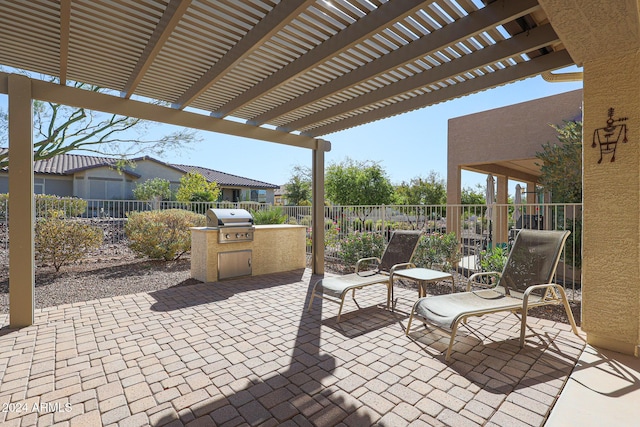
[(259, 196)]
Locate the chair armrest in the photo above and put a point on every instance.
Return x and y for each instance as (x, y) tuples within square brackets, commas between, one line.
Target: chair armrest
[(361, 260), (482, 274), (527, 292), (404, 265)]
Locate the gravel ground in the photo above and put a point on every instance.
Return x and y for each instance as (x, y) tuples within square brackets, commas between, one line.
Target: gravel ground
[(101, 279), (125, 274)]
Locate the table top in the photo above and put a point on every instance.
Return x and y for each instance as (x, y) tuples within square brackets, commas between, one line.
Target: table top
[(422, 274)]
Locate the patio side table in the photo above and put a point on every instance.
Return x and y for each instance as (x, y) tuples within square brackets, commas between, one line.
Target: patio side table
[(424, 276)]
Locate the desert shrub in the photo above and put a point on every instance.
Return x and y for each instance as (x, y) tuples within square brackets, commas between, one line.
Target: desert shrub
[(366, 225), (493, 259), (162, 234), (70, 206), (438, 250), (331, 233), (59, 241), (275, 215), (200, 201), (573, 246), (306, 220), (360, 245), (250, 206)]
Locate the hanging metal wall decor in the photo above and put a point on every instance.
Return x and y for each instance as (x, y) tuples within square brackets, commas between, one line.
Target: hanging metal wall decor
[(608, 137)]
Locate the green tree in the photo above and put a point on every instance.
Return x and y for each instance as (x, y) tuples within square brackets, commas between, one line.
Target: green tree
[(431, 190), (561, 164), (357, 183), (153, 189), (470, 196), (194, 187), (59, 129), (298, 189)]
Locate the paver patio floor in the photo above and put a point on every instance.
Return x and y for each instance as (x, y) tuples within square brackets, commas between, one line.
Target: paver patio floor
[(246, 352)]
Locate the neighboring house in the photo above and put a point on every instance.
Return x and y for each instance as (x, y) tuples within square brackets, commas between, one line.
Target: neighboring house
[(279, 198), (94, 177)]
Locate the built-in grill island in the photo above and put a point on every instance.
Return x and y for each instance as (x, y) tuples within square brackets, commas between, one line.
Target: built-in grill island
[(232, 246), (235, 225)]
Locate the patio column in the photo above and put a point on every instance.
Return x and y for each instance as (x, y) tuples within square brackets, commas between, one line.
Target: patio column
[(532, 198), (604, 37), (501, 232), (611, 194), (454, 197), (317, 213), (21, 205)]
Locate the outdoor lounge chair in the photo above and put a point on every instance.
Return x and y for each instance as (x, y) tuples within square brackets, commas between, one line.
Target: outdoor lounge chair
[(397, 254), (525, 282)]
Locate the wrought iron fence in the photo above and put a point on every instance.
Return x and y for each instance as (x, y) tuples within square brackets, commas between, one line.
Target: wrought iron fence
[(479, 228)]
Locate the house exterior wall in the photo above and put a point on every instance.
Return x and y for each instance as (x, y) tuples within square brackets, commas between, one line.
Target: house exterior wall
[(149, 169), (44, 184), (611, 194), (604, 39), (105, 183), (511, 133), (102, 183)]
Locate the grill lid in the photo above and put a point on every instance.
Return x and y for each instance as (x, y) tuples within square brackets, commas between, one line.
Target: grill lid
[(229, 218)]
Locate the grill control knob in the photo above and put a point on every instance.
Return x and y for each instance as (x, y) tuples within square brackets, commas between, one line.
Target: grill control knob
[(237, 235), (226, 236)]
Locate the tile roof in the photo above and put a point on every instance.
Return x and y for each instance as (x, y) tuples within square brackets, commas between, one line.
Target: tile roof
[(223, 178), (67, 164)]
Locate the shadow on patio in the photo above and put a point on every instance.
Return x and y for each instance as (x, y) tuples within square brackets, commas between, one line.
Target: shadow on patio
[(247, 351)]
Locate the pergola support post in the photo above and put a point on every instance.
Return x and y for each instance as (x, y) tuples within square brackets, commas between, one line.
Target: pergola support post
[(317, 213), (21, 205)]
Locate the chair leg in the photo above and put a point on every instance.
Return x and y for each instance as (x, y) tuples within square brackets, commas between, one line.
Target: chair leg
[(406, 332), (313, 294), (523, 326), (454, 330), (413, 310), (340, 309), (567, 308)]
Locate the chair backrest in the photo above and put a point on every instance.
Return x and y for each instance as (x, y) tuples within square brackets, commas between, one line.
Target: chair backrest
[(400, 249), (533, 259)]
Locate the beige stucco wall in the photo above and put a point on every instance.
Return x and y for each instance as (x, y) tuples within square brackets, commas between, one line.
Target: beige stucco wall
[(481, 141), (604, 37), (513, 132), (82, 181), (275, 248), (611, 268)]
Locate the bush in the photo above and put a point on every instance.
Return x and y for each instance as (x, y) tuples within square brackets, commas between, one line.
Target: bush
[(360, 245), (162, 234), (493, 259), (274, 215), (59, 241), (45, 203), (441, 250), (573, 246), (70, 206), (200, 202)]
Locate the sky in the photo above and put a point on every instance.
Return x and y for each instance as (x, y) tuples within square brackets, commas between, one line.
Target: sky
[(407, 146)]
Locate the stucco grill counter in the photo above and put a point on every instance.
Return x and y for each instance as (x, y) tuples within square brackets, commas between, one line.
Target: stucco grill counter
[(231, 246)]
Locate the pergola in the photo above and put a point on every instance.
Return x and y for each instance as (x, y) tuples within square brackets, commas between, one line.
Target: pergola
[(288, 72)]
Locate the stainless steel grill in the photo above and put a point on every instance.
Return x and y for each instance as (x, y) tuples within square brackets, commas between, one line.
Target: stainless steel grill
[(234, 225)]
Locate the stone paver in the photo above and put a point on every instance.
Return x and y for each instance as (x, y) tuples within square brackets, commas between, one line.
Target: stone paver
[(247, 352)]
